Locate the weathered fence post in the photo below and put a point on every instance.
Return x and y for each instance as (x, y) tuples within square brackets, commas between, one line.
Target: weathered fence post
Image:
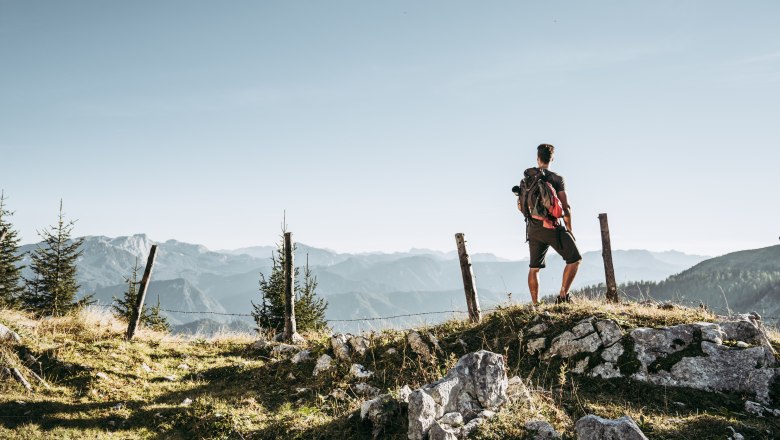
[(606, 253), (469, 285), (290, 330), (135, 318)]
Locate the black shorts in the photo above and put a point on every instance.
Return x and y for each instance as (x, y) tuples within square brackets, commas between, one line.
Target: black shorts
[(540, 239)]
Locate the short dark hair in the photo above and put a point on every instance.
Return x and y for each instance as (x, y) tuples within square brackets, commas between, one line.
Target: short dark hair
[(545, 152)]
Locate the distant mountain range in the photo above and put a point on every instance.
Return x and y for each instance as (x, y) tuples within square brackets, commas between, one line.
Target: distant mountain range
[(741, 281), (191, 278)]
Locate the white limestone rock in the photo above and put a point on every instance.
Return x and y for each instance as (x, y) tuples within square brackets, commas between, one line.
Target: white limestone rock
[(592, 427), (324, 363), (340, 347), (360, 372), (609, 331), (541, 430)]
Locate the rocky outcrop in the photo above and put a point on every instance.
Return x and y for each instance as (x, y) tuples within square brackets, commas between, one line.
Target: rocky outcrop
[(733, 355), (592, 427), (455, 405)]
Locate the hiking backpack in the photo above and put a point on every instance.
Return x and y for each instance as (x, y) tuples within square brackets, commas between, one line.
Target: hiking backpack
[(537, 198)]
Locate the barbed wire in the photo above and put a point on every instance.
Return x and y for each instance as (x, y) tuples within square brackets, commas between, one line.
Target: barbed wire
[(365, 319), (372, 318)]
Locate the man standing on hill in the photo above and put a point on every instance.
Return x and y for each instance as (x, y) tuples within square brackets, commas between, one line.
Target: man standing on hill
[(542, 199)]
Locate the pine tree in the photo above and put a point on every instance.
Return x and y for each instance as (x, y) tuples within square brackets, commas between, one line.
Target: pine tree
[(123, 307), (53, 289), (309, 309), (10, 269)]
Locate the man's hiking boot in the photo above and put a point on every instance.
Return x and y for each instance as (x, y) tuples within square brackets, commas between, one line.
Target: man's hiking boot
[(562, 299)]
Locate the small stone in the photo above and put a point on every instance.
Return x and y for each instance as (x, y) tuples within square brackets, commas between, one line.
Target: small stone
[(711, 332), (487, 414), (360, 372), (186, 402), (592, 427), (469, 427), (754, 408), (403, 393), (443, 431), (391, 351), (338, 394), (324, 363), (583, 328), (146, 368), (742, 344), (541, 430), (183, 366), (340, 347), (102, 375), (734, 434), (366, 390), (418, 345), (170, 378), (284, 348), (452, 419), (517, 391), (359, 344), (536, 345), (301, 356), (118, 406), (6, 334), (260, 344), (538, 329)]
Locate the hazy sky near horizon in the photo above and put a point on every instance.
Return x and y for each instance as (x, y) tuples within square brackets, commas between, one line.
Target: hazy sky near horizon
[(391, 125)]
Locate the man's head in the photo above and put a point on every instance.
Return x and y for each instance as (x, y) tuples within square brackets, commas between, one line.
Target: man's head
[(544, 154)]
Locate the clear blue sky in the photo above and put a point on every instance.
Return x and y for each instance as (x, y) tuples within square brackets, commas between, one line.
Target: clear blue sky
[(391, 125)]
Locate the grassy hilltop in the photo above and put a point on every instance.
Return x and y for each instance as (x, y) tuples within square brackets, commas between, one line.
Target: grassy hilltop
[(160, 386)]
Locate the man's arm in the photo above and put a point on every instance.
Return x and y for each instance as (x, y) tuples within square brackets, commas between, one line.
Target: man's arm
[(566, 210)]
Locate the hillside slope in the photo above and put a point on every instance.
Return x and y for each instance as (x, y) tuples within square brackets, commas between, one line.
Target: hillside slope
[(103, 387), (742, 281)]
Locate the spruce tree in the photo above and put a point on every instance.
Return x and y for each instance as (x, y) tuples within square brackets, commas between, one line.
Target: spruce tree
[(123, 307), (52, 291), (309, 309), (10, 270)]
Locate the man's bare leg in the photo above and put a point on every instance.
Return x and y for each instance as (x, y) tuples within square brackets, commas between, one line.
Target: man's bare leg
[(533, 284), (569, 272)]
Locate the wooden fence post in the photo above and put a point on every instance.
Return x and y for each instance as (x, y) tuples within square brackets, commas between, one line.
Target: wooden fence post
[(290, 330), (469, 285), (135, 318), (606, 253)]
